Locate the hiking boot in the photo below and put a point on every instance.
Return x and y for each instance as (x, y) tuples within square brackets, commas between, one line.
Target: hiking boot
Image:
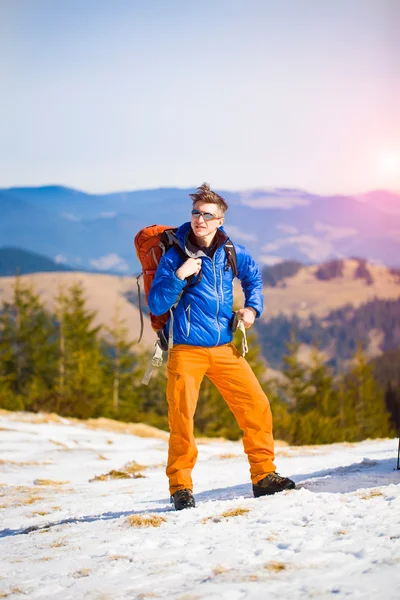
[(271, 484), (183, 499)]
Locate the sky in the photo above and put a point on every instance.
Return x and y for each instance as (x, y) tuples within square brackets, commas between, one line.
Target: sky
[(107, 96)]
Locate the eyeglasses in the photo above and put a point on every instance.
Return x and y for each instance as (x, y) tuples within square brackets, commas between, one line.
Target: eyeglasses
[(206, 215)]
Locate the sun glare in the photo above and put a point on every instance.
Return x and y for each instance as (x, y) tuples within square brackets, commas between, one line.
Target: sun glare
[(389, 170), (391, 163)]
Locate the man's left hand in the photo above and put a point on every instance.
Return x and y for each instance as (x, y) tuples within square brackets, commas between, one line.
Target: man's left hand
[(247, 315)]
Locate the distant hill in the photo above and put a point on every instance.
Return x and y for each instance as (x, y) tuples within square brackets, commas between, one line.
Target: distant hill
[(22, 262), (334, 304), (94, 232), (105, 294)]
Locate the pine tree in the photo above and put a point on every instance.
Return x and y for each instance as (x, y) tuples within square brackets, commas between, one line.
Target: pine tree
[(27, 338), (80, 375), (320, 418), (150, 404), (366, 398), (296, 390), (118, 365)]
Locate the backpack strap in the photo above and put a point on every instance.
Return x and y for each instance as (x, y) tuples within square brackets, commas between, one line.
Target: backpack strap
[(231, 258), (140, 307)]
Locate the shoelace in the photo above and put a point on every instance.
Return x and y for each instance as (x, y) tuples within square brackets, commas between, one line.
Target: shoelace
[(185, 494), (275, 476)]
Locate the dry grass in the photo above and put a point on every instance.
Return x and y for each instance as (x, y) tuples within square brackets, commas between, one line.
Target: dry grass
[(218, 570), (227, 456), (235, 512), (370, 494), (60, 444), (113, 474), (20, 496), (81, 573), (132, 470), (59, 544), (138, 429), (36, 418), (275, 566), (134, 467), (341, 532), (33, 463), (40, 513), (101, 457), (49, 482), (14, 590), (203, 441), (30, 500), (146, 520)]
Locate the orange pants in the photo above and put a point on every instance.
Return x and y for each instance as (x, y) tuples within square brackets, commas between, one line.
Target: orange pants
[(234, 378)]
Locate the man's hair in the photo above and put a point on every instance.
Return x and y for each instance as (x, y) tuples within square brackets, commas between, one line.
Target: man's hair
[(205, 194)]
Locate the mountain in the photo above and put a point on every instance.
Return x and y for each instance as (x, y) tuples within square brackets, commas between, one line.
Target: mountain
[(16, 261), (95, 231)]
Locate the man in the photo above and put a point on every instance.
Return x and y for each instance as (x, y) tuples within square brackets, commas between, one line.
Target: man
[(202, 337)]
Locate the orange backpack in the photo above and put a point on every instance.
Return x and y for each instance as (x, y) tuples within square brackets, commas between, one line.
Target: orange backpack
[(151, 244)]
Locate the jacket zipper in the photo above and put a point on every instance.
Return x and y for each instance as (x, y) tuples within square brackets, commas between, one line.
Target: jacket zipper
[(221, 286), (188, 320), (216, 294)]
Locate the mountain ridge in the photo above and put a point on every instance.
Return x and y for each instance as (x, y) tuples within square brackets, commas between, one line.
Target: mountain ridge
[(275, 224)]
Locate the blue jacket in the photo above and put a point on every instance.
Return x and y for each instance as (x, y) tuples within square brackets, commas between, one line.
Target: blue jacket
[(203, 315)]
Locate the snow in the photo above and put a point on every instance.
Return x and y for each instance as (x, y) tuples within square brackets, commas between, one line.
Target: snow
[(336, 536)]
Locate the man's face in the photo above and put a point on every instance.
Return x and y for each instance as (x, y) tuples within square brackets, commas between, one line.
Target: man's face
[(200, 226)]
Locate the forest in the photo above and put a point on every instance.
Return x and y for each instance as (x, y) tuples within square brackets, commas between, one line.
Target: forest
[(61, 362)]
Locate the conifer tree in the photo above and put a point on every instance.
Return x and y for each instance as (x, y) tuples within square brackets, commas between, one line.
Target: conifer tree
[(80, 376), (150, 404), (320, 416), (369, 415), (26, 347), (118, 364), (296, 391)]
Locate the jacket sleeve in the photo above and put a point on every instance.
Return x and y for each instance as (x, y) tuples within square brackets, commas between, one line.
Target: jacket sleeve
[(166, 286), (251, 280)]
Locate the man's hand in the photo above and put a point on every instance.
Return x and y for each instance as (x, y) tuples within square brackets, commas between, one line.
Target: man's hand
[(247, 315), (191, 267)]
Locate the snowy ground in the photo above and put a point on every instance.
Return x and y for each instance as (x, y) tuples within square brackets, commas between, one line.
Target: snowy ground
[(63, 536)]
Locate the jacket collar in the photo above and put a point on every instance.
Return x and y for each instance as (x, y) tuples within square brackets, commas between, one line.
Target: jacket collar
[(191, 249)]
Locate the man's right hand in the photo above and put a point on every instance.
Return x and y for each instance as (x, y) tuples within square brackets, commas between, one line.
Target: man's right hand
[(190, 267)]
